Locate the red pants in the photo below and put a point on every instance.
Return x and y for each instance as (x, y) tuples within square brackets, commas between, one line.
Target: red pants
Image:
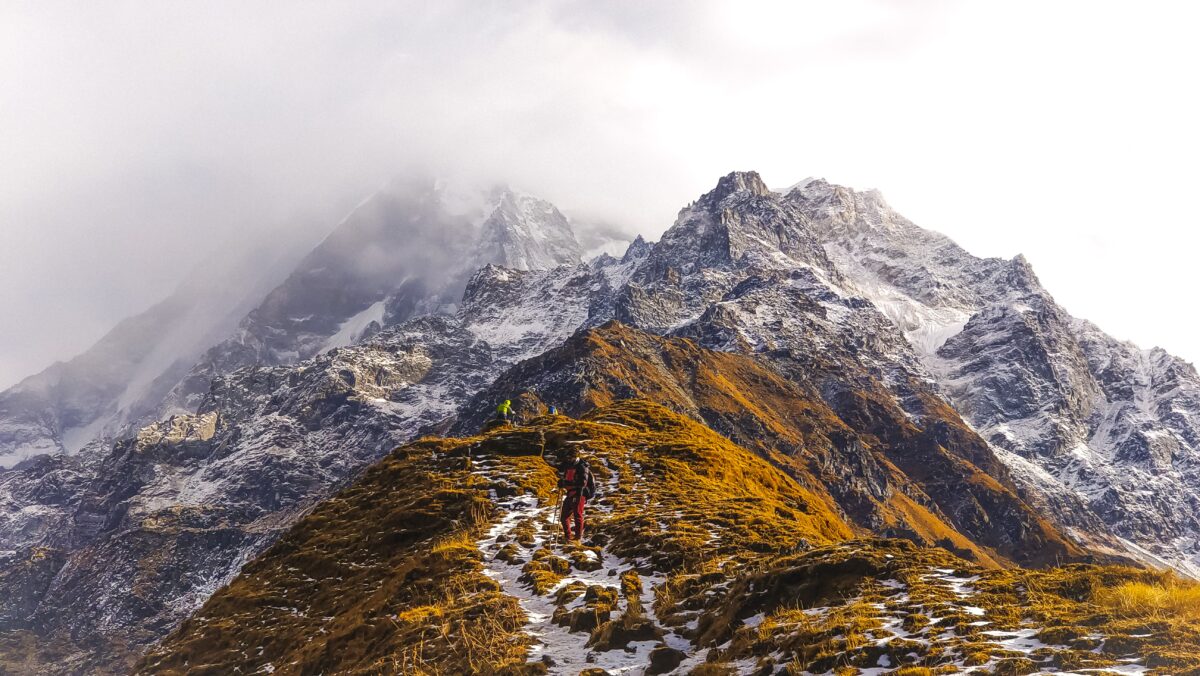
[(572, 510)]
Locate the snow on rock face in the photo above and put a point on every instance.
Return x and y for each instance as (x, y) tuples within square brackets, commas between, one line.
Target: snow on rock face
[(526, 233), (1095, 429), (526, 313), (118, 383), (220, 485), (359, 326), (25, 435), (406, 251), (738, 223)]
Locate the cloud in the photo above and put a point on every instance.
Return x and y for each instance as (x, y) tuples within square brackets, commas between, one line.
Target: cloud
[(141, 138)]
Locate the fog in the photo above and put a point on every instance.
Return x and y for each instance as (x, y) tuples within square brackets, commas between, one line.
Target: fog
[(139, 140)]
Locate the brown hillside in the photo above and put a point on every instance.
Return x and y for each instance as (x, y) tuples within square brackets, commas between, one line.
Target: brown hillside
[(702, 559), (386, 578), (858, 451)]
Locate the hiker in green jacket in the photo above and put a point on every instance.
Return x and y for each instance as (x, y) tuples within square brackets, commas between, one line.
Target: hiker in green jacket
[(503, 410)]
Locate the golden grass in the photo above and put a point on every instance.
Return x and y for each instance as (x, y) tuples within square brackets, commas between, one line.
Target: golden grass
[(1170, 598), (949, 500), (385, 577), (733, 536), (460, 540)]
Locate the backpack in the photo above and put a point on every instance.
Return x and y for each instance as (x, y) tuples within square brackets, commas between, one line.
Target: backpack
[(589, 482)]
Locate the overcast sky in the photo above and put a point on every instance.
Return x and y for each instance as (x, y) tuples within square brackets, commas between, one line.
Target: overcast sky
[(139, 138)]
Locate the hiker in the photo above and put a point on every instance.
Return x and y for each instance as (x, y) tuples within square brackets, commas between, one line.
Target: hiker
[(553, 410), (580, 485), (503, 410)]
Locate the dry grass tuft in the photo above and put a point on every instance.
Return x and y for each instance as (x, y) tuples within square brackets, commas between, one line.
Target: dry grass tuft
[(1169, 598)]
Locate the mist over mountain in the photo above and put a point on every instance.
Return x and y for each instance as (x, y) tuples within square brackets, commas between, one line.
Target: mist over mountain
[(408, 249), (202, 131)]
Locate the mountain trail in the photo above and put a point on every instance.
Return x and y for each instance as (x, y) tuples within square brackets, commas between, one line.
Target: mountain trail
[(592, 586)]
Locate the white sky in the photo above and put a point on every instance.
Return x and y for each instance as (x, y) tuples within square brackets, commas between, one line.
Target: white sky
[(139, 138)]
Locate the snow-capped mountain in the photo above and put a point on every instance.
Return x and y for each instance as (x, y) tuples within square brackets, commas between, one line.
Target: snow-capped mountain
[(1072, 411), (405, 251), (867, 336), (526, 233), (120, 381)]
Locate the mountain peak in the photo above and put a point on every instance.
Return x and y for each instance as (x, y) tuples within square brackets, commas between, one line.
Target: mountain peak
[(737, 182), (527, 233), (1023, 274), (638, 248)]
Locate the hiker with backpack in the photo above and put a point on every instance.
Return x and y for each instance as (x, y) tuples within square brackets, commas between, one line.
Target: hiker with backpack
[(504, 410), (580, 486)]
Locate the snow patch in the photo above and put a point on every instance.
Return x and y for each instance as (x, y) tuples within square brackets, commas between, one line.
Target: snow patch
[(353, 328)]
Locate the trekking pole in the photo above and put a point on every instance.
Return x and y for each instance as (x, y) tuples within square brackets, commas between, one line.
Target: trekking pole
[(557, 516)]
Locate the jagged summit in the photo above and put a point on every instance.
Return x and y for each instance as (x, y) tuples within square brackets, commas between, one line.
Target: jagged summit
[(639, 248), (739, 223), (748, 182), (526, 233), (1023, 276)]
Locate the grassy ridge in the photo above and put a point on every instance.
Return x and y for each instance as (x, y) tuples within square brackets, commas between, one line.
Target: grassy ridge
[(850, 445), (385, 577), (382, 578), (757, 573)]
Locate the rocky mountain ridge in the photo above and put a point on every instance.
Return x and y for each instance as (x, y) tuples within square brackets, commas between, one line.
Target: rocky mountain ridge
[(406, 250), (767, 277), (1072, 411), (402, 253)]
